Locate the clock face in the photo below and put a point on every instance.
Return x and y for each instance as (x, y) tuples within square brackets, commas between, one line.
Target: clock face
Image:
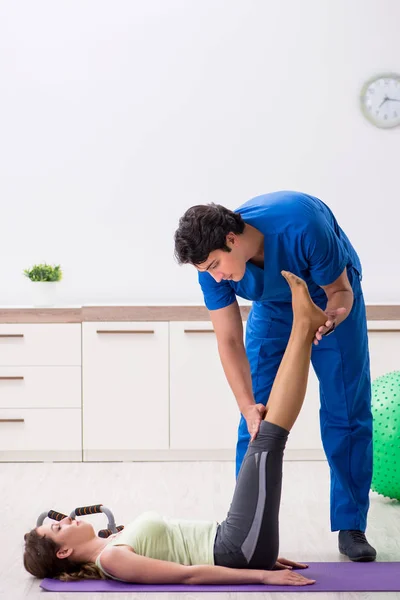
[(380, 100)]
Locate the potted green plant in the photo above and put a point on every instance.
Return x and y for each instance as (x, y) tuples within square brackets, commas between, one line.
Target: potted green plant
[(46, 278)]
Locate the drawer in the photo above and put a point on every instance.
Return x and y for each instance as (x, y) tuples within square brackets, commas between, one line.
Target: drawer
[(40, 387), (40, 344), (36, 429)]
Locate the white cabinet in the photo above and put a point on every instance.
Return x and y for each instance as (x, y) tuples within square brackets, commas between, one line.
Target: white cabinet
[(40, 392), (203, 411), (151, 391), (40, 434), (125, 389), (384, 347)]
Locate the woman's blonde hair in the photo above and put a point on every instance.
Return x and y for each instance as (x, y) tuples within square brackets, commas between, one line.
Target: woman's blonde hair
[(41, 560)]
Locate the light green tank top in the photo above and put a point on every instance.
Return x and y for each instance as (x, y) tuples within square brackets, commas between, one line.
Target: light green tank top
[(180, 541)]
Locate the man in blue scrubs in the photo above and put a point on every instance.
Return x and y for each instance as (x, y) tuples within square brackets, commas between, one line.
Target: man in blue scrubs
[(242, 253)]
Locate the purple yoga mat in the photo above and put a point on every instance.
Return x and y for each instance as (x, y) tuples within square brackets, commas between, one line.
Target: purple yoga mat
[(331, 577)]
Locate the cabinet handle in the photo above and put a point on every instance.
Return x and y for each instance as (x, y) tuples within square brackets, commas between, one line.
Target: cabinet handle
[(199, 331), (125, 331), (11, 335), (10, 378), (12, 420)]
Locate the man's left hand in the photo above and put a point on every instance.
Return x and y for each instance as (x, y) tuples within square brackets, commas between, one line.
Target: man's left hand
[(332, 316)]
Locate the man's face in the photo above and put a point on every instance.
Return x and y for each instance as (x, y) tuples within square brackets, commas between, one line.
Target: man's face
[(224, 265)]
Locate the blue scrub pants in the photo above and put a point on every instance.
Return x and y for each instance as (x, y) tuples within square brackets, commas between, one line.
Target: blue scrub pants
[(341, 363)]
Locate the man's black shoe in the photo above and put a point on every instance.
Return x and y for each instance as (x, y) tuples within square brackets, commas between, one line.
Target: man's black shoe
[(354, 544)]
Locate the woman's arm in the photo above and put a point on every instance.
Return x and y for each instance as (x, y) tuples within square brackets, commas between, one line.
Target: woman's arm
[(120, 562), (208, 574), (123, 564)]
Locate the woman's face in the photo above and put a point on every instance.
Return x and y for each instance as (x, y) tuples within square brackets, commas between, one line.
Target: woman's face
[(68, 533)]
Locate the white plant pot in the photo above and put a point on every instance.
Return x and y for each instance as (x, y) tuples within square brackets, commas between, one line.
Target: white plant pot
[(44, 293)]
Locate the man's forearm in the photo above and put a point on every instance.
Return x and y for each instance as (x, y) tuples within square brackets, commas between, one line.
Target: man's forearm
[(237, 370), (341, 298)]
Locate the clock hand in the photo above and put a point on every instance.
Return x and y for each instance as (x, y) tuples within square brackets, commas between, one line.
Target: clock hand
[(393, 99), (383, 102)]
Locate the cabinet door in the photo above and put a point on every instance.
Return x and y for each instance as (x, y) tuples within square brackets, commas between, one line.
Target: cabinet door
[(203, 410), (384, 347), (125, 387)]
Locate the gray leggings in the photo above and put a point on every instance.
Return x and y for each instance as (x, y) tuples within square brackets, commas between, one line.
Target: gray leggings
[(249, 536)]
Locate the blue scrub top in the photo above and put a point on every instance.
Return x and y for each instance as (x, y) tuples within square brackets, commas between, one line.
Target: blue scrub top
[(301, 235)]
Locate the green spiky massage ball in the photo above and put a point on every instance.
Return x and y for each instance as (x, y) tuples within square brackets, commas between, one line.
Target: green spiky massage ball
[(386, 419)]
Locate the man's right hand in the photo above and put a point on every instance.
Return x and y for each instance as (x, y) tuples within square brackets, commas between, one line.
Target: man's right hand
[(254, 414)]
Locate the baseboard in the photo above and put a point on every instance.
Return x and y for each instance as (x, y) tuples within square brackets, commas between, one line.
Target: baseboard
[(187, 455), (144, 455), (40, 456)]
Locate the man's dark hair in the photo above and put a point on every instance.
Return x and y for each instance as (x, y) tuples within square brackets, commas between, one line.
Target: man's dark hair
[(203, 229)]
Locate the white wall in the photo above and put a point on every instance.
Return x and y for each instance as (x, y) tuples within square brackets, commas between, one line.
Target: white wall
[(117, 115)]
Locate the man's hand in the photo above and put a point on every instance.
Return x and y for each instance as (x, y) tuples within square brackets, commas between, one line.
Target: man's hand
[(340, 298), (332, 316), (254, 414)]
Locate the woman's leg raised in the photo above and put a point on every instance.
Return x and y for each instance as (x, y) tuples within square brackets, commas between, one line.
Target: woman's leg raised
[(290, 384), (249, 536)]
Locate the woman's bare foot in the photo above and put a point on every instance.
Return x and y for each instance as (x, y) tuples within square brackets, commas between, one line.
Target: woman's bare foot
[(304, 309)]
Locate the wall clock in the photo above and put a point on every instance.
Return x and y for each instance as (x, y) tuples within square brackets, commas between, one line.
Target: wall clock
[(380, 100)]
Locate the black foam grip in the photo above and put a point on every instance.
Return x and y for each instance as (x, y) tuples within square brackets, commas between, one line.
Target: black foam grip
[(88, 510), (105, 533), (57, 516)]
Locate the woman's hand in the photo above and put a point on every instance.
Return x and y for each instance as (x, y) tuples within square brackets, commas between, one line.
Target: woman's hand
[(284, 563), (285, 577)]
